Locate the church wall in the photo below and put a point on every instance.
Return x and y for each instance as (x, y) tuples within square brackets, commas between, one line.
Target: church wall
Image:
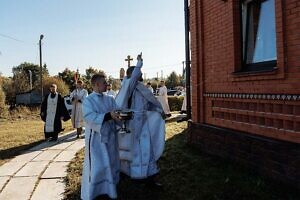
[(263, 107)]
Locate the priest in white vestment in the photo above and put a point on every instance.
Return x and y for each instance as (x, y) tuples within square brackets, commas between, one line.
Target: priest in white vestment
[(163, 98), (101, 162), (142, 147), (78, 96)]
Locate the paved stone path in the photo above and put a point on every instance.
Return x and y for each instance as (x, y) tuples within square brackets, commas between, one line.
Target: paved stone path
[(38, 173)]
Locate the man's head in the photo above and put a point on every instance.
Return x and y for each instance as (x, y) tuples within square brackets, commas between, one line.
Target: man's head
[(129, 72), (79, 84), (148, 84), (162, 83), (99, 83), (53, 88)]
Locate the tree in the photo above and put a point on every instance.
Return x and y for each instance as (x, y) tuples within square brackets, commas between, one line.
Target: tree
[(24, 69), (8, 89), (21, 82), (89, 72), (2, 102), (172, 80), (62, 87), (68, 77)]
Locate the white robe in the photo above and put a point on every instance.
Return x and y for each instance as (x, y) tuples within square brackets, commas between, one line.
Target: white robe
[(77, 118), (51, 111), (101, 162), (140, 149), (163, 99)]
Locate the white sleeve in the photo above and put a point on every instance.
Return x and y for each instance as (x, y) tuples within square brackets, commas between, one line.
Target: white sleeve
[(91, 116)]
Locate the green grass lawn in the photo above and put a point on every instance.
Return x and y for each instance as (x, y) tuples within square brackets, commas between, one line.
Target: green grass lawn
[(188, 174), (21, 134)]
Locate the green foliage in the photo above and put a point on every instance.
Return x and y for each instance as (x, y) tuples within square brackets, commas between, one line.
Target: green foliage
[(21, 82), (173, 80), (25, 68), (89, 72), (68, 77), (175, 103), (62, 87)]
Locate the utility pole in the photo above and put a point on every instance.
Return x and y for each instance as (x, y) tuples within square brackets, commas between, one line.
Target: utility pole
[(187, 58), (30, 79), (41, 67)]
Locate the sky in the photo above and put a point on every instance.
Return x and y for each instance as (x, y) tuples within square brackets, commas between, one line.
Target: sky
[(97, 33)]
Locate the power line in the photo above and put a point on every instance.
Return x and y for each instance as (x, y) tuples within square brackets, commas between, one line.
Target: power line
[(15, 39)]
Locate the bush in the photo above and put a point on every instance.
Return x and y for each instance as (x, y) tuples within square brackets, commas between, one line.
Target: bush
[(175, 103), (25, 112), (3, 108), (62, 87)]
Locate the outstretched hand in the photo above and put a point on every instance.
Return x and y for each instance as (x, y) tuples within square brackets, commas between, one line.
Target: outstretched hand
[(139, 57)]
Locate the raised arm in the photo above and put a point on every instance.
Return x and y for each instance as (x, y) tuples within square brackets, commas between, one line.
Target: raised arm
[(136, 74)]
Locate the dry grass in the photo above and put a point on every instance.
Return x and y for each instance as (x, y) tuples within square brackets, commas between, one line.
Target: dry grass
[(20, 131), (187, 174)]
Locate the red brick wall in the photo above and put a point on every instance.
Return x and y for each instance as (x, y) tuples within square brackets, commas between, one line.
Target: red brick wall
[(216, 53)]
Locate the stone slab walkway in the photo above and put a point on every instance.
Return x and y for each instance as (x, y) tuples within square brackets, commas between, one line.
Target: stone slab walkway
[(38, 173)]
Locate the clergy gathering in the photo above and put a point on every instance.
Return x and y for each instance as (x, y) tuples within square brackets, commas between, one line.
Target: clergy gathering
[(150, 100)]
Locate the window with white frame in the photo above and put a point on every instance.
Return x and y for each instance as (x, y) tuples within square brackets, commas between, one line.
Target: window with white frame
[(259, 35)]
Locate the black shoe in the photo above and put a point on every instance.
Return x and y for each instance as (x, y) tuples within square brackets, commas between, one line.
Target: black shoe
[(168, 115), (53, 139)]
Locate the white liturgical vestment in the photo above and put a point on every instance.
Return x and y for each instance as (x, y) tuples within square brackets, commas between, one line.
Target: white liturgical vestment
[(101, 161), (140, 149), (76, 116)]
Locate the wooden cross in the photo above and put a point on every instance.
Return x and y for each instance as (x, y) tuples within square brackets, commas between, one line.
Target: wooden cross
[(128, 60)]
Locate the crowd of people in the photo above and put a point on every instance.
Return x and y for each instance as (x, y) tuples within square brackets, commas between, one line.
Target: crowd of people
[(110, 154)]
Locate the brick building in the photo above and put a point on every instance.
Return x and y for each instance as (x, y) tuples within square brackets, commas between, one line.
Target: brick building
[(245, 83)]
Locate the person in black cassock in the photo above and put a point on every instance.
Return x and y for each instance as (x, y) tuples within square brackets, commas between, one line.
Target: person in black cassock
[(53, 110)]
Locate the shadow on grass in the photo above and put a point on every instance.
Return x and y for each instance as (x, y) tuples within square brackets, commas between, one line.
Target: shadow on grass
[(187, 174), (34, 146), (15, 151)]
